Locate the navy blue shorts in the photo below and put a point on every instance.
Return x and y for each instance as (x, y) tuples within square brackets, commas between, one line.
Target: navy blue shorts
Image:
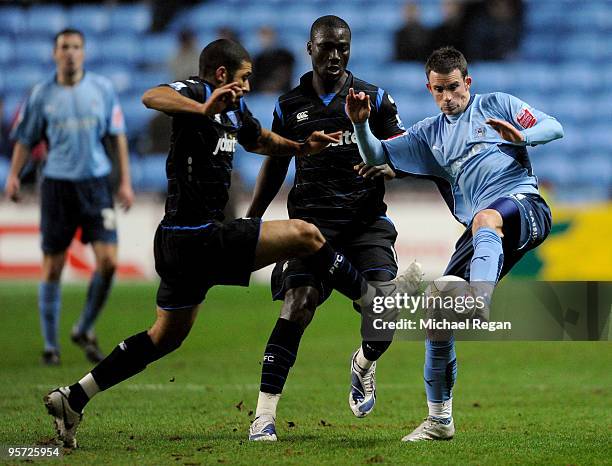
[(370, 248), (66, 205), (192, 259), (527, 222)]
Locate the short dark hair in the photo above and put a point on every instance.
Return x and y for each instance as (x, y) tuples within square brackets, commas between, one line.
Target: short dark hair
[(68, 31), (328, 22), (222, 52), (446, 59)]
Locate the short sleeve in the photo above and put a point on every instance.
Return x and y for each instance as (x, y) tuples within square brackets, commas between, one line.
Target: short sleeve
[(250, 131), (187, 88), (278, 124), (116, 121), (386, 122), (29, 128)]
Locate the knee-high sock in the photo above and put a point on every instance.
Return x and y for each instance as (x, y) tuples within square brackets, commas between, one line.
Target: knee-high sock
[(99, 288), (488, 257), (280, 355), (128, 358), (440, 373), (335, 267), (487, 262), (49, 303)]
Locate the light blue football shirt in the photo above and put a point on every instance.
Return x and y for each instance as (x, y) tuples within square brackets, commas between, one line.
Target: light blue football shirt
[(73, 120), (469, 161)]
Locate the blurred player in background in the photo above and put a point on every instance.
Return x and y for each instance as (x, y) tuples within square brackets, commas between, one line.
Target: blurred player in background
[(348, 209), (475, 151), (73, 111), (195, 251)]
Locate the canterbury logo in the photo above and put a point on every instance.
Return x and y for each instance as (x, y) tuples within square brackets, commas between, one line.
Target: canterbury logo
[(225, 144), (302, 116)]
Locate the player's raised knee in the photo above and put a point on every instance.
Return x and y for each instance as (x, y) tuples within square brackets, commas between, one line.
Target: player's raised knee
[(487, 218), (307, 236)]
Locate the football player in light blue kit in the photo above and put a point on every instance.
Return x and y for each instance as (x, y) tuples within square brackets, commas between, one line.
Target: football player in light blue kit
[(475, 151), (73, 111)]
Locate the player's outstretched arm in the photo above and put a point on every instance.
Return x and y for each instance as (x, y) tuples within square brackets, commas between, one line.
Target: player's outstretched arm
[(269, 181), (167, 100), (358, 110), (542, 132), (270, 143), (21, 152)]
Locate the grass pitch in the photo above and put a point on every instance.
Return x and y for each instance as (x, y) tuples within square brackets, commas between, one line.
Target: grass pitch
[(514, 403)]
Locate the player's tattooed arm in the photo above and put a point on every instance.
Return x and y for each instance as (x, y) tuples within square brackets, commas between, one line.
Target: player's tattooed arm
[(167, 100), (270, 143)]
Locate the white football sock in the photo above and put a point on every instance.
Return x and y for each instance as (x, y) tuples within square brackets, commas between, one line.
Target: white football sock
[(361, 362), (266, 404), (442, 410), (89, 385)]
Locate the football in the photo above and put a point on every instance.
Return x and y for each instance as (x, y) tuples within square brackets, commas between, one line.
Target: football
[(450, 296)]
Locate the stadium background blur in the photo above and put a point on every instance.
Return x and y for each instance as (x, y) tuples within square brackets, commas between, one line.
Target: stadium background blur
[(562, 65)]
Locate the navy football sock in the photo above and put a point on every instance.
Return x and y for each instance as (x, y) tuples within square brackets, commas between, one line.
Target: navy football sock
[(127, 359), (335, 268), (280, 355), (373, 350), (99, 288)]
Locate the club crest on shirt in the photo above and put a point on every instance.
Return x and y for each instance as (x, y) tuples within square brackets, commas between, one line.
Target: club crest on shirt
[(526, 119), (480, 132)]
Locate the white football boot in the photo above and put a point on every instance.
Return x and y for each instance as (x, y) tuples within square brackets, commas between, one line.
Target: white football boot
[(362, 396), (431, 429), (66, 419), (263, 429)]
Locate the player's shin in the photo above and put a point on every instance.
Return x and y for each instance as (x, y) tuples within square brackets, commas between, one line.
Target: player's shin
[(49, 303), (486, 263), (440, 373), (99, 288), (279, 357), (128, 358)]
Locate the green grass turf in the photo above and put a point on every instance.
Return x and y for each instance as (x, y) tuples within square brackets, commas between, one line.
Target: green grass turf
[(515, 402)]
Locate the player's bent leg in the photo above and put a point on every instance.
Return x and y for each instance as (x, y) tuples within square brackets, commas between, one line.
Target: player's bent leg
[(49, 305), (284, 239), (131, 356), (97, 294), (488, 259), (279, 356)]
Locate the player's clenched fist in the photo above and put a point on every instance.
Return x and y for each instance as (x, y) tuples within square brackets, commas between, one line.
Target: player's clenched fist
[(222, 98), (357, 106)]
